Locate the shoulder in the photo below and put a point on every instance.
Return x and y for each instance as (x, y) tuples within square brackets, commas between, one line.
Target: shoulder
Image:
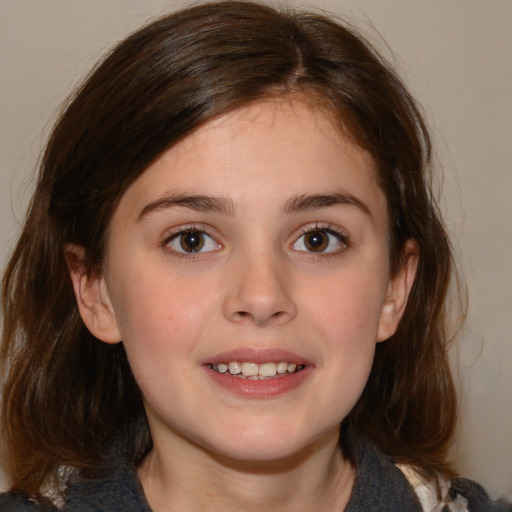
[(382, 485), (119, 489), (458, 495), (476, 496), (15, 502), (379, 484)]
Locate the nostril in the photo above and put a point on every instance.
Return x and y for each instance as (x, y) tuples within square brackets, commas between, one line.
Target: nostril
[(260, 319), (259, 308)]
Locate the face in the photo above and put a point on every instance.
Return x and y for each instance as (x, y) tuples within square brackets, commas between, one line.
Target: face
[(247, 275)]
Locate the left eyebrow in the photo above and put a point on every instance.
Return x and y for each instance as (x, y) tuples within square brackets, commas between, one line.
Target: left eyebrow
[(200, 203), (316, 201)]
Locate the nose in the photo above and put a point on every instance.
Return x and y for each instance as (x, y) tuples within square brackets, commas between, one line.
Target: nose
[(259, 292)]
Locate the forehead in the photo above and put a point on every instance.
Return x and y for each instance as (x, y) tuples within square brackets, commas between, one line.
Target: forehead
[(265, 152)]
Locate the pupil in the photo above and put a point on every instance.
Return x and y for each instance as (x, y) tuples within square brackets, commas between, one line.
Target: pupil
[(192, 241), (316, 241)]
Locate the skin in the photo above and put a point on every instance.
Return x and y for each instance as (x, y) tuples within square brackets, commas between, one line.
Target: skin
[(255, 286)]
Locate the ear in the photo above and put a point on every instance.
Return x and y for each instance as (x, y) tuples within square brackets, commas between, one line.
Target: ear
[(398, 292), (92, 297)]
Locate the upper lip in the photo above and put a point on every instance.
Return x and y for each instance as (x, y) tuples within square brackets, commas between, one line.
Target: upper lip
[(257, 355)]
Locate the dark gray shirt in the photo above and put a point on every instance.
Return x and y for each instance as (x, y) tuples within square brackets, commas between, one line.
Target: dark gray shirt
[(379, 487)]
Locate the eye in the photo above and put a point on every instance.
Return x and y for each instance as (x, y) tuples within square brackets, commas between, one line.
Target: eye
[(192, 241), (321, 240)]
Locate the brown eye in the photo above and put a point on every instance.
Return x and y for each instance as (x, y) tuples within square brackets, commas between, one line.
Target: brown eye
[(316, 241), (192, 241), (321, 241)]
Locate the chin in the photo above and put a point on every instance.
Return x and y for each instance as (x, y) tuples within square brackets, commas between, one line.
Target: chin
[(259, 445)]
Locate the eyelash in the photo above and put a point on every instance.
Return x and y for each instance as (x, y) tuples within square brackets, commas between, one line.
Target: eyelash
[(329, 229), (192, 228)]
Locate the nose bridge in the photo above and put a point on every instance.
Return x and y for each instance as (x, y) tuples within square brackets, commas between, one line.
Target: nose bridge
[(260, 291)]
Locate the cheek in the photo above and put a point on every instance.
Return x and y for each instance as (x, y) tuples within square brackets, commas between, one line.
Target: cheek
[(161, 321), (160, 314), (349, 303), (346, 317)]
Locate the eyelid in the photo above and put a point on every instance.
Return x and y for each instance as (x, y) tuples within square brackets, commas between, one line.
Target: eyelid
[(173, 233), (329, 228)]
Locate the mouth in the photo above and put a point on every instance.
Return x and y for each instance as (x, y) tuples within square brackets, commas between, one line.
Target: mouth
[(255, 371)]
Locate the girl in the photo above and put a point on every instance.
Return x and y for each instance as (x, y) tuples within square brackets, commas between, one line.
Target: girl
[(229, 292)]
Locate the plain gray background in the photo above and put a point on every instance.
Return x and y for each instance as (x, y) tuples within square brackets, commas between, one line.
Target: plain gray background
[(456, 56)]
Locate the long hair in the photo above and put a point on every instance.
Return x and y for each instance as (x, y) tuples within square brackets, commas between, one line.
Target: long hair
[(66, 395)]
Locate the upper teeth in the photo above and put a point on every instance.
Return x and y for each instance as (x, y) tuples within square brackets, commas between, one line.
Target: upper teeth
[(254, 370)]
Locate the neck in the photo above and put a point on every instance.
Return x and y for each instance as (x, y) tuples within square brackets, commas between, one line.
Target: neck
[(318, 478)]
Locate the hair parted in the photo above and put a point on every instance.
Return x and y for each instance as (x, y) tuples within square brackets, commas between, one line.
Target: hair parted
[(66, 394)]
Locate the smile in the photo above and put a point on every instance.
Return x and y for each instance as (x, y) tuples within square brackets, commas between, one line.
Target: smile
[(255, 371)]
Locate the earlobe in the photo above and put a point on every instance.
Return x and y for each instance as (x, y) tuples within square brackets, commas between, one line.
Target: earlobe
[(399, 288), (92, 297)]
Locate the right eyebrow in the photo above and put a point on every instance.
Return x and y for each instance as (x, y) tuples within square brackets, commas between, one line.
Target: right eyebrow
[(200, 203)]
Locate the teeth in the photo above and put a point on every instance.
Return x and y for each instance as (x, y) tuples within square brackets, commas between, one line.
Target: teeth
[(249, 369), (234, 368), (254, 371), (267, 369), (282, 367)]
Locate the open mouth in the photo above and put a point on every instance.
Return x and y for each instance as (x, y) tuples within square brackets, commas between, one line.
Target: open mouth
[(255, 371)]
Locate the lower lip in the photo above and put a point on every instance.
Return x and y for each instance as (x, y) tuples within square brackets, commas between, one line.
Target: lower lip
[(260, 388)]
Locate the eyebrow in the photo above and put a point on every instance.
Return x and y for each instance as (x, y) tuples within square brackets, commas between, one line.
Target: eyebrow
[(225, 206), (200, 203), (315, 201)]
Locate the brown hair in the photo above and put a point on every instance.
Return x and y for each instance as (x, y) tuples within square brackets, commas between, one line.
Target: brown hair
[(66, 395)]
